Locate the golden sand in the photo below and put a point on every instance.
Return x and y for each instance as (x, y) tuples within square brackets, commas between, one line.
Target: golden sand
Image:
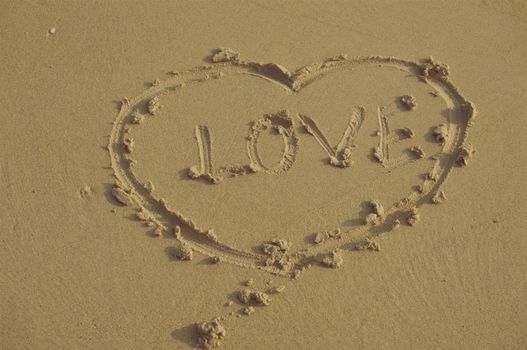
[(239, 195)]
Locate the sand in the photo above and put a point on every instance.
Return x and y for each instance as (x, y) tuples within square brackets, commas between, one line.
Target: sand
[(179, 175)]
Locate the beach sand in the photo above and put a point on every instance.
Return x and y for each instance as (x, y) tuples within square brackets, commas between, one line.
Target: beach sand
[(263, 175)]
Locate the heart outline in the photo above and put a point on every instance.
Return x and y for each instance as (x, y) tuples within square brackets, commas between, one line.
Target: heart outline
[(461, 115)]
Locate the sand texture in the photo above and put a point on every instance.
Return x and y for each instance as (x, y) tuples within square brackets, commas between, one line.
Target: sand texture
[(263, 175)]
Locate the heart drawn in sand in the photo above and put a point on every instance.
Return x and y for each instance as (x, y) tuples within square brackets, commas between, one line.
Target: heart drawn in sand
[(277, 256)]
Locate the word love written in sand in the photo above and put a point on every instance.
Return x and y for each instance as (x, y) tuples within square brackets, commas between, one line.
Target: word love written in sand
[(439, 129), (282, 123)]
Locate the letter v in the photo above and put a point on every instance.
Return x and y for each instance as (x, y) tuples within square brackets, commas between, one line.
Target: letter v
[(340, 155)]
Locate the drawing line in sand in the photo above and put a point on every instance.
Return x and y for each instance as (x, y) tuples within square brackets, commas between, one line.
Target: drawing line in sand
[(204, 141), (130, 191), (166, 221), (277, 256), (206, 170), (340, 155), (387, 138), (282, 124)]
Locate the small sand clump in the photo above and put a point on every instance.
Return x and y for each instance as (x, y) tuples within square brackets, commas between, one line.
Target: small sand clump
[(377, 208), (373, 219), (129, 144), (248, 297), (143, 215), (441, 133), (177, 232), (407, 132), (249, 282), (137, 118), (276, 246), (154, 105), (121, 196), (217, 75), (194, 173), (409, 102), (298, 272), (276, 251), (158, 231), (248, 310), (211, 235), (470, 111), (210, 334), (225, 55), (149, 186), (184, 252), (418, 151), (377, 154), (435, 69), (333, 260), (131, 162), (368, 244), (343, 159), (465, 153), (376, 217), (439, 197), (215, 260), (414, 217), (327, 235), (432, 176)]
